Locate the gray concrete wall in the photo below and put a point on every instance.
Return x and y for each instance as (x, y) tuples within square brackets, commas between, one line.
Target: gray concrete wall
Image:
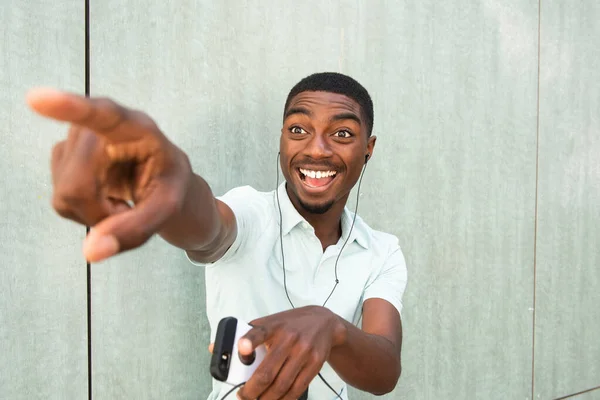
[(43, 343), (486, 168)]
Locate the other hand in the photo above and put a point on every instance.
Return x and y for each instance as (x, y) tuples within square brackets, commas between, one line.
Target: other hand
[(111, 157), (298, 342)]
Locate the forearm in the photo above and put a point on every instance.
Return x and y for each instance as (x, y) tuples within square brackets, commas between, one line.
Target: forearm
[(365, 361), (197, 222)]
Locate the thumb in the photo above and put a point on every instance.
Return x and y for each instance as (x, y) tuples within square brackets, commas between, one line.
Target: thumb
[(128, 229), (98, 247)]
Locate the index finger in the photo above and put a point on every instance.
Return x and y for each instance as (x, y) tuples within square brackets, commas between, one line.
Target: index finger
[(98, 114), (269, 369), (252, 339)]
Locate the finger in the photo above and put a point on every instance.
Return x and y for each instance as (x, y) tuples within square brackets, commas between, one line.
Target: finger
[(57, 155), (252, 339), (116, 206), (74, 108), (284, 380), (65, 211), (65, 147), (73, 137), (302, 381), (76, 189), (98, 114), (83, 206), (211, 347), (61, 207), (113, 206), (82, 214), (267, 371), (56, 161), (132, 228)]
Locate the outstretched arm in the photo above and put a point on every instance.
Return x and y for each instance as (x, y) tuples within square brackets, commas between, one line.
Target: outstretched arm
[(113, 156)]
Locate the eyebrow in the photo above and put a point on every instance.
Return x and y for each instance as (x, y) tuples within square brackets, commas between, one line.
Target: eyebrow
[(347, 115), (337, 117), (298, 110)]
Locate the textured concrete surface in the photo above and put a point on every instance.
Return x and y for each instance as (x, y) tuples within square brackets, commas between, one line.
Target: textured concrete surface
[(453, 175)]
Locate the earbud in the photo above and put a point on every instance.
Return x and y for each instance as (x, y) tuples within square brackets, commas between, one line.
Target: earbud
[(367, 158)]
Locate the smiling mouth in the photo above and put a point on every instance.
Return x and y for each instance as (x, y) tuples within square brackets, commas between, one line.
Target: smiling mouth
[(316, 178)]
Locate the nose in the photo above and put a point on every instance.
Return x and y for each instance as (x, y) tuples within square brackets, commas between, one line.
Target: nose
[(318, 147)]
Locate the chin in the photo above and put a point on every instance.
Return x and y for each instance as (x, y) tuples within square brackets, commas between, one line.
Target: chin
[(314, 200), (316, 208)]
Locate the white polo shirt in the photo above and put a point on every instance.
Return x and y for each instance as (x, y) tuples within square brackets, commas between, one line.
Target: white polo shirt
[(247, 282)]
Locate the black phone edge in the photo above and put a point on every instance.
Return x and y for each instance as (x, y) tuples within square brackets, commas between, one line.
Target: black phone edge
[(219, 368)]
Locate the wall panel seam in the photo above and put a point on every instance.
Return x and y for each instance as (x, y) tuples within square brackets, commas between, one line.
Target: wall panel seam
[(578, 393), (87, 228), (535, 225)]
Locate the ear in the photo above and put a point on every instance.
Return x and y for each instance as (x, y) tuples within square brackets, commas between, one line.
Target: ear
[(371, 146)]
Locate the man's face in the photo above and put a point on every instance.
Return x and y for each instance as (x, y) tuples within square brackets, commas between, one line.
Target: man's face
[(323, 146)]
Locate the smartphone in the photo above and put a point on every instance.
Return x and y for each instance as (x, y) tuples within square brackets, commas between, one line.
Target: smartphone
[(226, 364)]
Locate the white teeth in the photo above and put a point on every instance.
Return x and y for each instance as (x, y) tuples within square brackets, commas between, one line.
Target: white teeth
[(317, 174)]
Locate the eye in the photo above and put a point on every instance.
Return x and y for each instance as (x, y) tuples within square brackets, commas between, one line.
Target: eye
[(297, 130), (343, 134)]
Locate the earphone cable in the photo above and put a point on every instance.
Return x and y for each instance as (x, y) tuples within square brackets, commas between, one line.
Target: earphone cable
[(281, 234), (337, 281), (239, 385), (338, 395)]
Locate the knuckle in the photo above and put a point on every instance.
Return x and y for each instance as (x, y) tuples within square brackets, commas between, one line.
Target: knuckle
[(73, 193), (57, 150), (105, 102), (304, 348), (111, 113), (263, 378), (315, 357), (111, 106), (280, 387), (143, 120), (292, 336), (61, 208)]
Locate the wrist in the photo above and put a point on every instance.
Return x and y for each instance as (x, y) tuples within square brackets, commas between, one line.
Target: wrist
[(339, 330), (188, 176)]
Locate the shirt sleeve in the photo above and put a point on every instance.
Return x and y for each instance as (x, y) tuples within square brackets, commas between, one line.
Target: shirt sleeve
[(248, 206), (390, 282)]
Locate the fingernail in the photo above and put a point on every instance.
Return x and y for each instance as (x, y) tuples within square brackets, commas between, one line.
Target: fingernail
[(98, 247), (245, 345)]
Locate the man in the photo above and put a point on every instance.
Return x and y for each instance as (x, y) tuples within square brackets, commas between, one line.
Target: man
[(294, 262)]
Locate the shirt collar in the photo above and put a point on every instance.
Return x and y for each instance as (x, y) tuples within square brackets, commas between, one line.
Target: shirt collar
[(291, 218)]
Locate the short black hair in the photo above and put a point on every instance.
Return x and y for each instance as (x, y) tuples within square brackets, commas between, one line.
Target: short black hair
[(335, 82)]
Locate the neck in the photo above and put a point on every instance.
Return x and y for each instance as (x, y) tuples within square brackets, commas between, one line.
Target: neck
[(327, 226)]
